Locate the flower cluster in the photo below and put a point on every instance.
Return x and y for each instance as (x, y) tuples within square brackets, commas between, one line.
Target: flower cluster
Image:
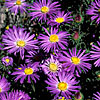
[(27, 55)]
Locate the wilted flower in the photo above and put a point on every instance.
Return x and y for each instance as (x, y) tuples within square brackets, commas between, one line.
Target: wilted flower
[(35, 56)]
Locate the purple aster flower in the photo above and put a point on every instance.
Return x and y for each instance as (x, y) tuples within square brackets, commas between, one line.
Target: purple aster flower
[(42, 9), (75, 60), (18, 40), (53, 40), (24, 71), (16, 5), (94, 10), (64, 84), (97, 96), (60, 18), (51, 66), (4, 85), (7, 61), (15, 95), (95, 54)]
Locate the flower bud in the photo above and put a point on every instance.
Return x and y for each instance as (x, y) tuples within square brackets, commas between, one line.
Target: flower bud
[(76, 35)]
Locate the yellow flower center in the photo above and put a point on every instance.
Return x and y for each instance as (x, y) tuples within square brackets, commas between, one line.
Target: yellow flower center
[(28, 71), (44, 9), (59, 20), (53, 67), (7, 60), (21, 43), (0, 89), (75, 60), (63, 98), (54, 38), (62, 86), (99, 10), (18, 2)]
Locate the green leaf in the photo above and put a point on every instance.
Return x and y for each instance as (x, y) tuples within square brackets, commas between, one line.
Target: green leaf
[(33, 87)]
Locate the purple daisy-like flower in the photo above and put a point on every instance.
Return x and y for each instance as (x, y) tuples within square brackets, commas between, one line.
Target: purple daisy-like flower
[(75, 61), (18, 40), (24, 71), (94, 10), (7, 61), (15, 95), (60, 18), (53, 40), (97, 96), (43, 8), (95, 54), (16, 5), (4, 85), (51, 66), (64, 84)]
